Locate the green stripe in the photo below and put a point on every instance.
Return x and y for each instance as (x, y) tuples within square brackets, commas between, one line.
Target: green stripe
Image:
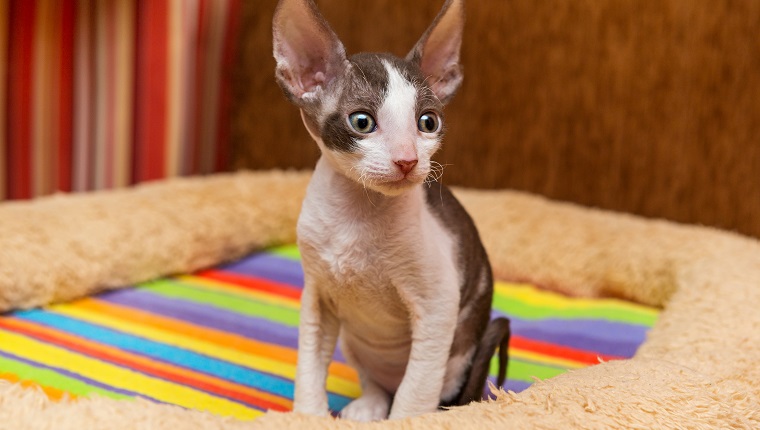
[(522, 370), (286, 251), (522, 310), (227, 301), (51, 378)]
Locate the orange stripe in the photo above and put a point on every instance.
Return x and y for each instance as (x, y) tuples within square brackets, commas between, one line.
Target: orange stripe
[(53, 394), (228, 340), (145, 363)]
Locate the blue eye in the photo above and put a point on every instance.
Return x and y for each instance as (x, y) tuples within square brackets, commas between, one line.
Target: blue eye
[(362, 122), (429, 122)]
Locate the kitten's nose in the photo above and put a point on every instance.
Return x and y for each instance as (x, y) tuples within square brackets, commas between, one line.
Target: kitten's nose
[(406, 166)]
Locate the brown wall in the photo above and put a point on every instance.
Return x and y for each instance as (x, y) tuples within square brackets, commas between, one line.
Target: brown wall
[(644, 106)]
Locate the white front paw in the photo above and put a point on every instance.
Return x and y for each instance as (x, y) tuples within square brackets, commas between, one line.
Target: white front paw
[(367, 408), (404, 411), (311, 408)]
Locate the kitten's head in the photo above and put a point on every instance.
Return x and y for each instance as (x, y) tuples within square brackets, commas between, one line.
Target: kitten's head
[(377, 118)]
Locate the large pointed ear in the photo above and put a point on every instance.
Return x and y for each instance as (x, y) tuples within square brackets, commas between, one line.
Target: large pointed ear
[(309, 55), (437, 51)]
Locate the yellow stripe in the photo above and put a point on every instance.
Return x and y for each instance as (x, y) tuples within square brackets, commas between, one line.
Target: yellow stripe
[(528, 294), (334, 384), (225, 287), (123, 378)]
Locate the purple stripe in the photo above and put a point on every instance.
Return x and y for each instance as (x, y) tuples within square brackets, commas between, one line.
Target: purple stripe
[(270, 267), (77, 376), (509, 385)]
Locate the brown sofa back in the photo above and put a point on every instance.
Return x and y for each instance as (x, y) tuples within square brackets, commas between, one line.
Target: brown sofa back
[(643, 106)]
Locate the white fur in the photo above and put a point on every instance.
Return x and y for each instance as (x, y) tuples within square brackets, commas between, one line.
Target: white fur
[(396, 138), (383, 268)]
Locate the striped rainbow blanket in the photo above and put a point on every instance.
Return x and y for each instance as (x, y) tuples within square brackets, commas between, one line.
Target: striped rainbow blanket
[(224, 340)]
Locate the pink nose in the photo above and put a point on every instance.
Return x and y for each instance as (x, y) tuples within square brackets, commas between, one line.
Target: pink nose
[(406, 166)]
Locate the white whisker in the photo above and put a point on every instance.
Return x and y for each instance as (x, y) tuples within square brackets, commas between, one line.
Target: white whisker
[(436, 172)]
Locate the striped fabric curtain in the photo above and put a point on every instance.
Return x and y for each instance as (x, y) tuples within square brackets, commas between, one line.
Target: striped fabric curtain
[(98, 94)]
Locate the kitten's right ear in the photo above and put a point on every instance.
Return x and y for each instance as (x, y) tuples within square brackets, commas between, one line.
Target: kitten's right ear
[(309, 54)]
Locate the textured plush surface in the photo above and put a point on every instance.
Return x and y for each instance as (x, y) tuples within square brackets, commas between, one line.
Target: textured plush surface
[(698, 367)]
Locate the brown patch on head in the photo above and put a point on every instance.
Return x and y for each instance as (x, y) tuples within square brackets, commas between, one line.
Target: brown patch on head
[(364, 88)]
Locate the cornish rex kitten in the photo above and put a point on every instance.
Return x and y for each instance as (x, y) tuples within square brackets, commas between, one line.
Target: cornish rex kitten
[(393, 264)]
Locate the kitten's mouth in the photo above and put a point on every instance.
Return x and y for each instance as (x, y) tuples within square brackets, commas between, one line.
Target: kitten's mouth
[(409, 178), (400, 184), (392, 184)]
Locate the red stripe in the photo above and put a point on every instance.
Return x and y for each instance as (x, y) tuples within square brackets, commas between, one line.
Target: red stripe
[(124, 360), (558, 351), (225, 86), (66, 97), (151, 82), (20, 74), (252, 283)]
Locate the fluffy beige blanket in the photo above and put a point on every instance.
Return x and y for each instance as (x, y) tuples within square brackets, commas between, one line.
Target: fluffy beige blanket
[(699, 368)]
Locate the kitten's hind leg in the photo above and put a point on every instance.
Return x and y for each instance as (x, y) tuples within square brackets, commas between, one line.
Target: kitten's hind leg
[(374, 404), (497, 334)]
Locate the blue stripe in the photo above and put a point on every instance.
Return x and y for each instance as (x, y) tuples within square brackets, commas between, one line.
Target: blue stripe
[(171, 354)]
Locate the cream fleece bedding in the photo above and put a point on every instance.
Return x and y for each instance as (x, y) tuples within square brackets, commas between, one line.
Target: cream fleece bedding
[(699, 368)]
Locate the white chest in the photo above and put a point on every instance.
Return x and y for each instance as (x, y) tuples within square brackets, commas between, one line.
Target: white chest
[(371, 261)]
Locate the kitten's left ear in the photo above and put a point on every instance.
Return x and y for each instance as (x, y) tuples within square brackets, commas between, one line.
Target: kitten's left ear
[(309, 54), (437, 51)]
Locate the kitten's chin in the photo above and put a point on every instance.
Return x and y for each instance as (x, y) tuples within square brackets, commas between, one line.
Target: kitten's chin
[(398, 187)]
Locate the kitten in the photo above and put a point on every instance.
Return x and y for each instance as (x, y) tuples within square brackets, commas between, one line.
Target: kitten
[(392, 262)]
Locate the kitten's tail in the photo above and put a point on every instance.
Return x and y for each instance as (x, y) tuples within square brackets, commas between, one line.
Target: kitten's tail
[(497, 334)]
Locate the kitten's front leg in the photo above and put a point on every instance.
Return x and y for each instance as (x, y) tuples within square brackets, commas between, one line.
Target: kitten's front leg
[(433, 326), (317, 334)]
